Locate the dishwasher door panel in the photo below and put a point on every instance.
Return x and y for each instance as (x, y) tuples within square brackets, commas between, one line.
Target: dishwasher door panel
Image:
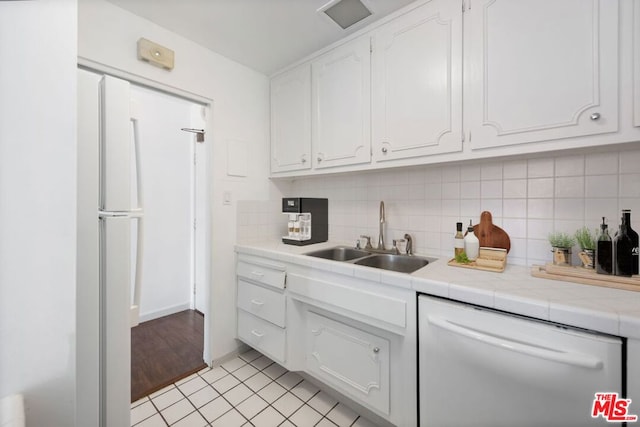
[(479, 367)]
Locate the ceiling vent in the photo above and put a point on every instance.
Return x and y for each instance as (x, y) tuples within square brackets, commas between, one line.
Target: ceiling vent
[(345, 12)]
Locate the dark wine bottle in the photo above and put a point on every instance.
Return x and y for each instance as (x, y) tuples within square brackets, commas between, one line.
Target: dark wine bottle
[(604, 251), (623, 249), (626, 213)]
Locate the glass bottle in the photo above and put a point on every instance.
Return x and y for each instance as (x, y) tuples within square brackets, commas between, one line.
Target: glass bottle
[(458, 241), (471, 243), (623, 248), (604, 251), (626, 214)]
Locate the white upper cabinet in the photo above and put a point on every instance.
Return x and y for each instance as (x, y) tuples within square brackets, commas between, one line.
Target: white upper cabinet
[(291, 120), (341, 109), (541, 70), (417, 83)]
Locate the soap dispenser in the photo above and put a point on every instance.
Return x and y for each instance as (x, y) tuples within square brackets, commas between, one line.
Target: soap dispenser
[(471, 243)]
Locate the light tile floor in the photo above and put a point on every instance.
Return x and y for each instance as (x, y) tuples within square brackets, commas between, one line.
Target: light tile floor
[(249, 390)]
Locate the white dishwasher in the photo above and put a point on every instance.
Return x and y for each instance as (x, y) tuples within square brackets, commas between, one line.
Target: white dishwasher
[(479, 367)]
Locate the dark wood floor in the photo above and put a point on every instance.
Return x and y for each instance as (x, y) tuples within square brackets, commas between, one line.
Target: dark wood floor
[(165, 350)]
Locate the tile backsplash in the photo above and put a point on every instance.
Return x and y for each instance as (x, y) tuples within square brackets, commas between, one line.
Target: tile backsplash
[(528, 198)]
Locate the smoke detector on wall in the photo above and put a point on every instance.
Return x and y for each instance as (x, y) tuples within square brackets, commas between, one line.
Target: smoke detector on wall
[(345, 13)]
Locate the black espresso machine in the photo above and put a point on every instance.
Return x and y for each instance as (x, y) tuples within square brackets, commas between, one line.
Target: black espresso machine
[(308, 220)]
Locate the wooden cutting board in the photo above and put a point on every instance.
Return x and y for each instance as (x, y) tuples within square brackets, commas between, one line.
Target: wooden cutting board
[(491, 235)]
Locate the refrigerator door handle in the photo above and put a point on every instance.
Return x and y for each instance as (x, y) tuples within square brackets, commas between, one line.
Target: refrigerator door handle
[(555, 355), (140, 215), (135, 213)]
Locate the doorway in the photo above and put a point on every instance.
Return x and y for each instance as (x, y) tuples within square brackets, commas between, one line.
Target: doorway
[(168, 343)]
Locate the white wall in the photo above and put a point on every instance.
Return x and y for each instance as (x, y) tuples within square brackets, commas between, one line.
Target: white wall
[(108, 35), (529, 198), (38, 207)]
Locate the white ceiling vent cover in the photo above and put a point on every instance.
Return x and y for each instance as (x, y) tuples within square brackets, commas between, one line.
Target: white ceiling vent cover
[(345, 12)]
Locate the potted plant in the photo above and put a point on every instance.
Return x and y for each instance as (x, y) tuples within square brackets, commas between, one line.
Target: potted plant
[(561, 244), (587, 242)]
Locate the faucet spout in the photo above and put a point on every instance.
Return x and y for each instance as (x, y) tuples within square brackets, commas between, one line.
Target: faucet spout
[(382, 221)]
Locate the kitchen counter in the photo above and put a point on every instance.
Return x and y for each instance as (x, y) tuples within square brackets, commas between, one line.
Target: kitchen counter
[(606, 310)]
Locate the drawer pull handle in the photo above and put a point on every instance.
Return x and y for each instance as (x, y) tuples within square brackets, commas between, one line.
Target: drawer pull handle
[(376, 350), (257, 273), (256, 302), (256, 333)]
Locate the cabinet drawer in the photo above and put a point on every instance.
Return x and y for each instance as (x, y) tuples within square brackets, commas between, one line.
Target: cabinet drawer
[(270, 275), (262, 302), (353, 361), (262, 335)]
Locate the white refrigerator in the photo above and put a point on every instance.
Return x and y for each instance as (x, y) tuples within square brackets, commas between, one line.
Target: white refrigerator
[(110, 228)]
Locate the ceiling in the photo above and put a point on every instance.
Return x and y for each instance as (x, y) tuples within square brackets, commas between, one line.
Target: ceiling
[(266, 35)]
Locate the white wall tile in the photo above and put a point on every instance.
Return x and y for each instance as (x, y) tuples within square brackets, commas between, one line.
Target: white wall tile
[(451, 190), (630, 161), (514, 169), (494, 206), (491, 189), (540, 188), (601, 186), (515, 228), (489, 171), (569, 166), (540, 208), (514, 208), (451, 174), (569, 187), (470, 173), (514, 188), (470, 208), (540, 168), (595, 209), (629, 185), (539, 228), (569, 209), (601, 163), (470, 190)]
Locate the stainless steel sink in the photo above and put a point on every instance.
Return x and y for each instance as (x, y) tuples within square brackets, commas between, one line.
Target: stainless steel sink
[(401, 263), (339, 253)]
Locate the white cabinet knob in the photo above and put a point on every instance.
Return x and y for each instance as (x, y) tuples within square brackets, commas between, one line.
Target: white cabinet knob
[(384, 150), (376, 350), (595, 116), (303, 160)]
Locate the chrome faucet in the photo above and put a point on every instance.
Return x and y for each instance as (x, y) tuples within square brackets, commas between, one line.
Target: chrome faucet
[(382, 221), (409, 240)]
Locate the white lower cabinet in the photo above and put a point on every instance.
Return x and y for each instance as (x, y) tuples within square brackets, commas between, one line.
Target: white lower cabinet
[(261, 304), (262, 335), (351, 360)]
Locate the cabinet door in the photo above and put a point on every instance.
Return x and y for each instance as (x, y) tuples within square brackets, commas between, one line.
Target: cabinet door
[(417, 83), (341, 99), (349, 359), (541, 70), (291, 120)]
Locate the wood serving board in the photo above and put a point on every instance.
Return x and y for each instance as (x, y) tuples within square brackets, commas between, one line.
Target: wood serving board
[(586, 276), (489, 259), (491, 235)]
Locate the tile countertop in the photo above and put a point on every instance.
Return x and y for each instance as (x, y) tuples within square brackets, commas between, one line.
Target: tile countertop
[(607, 310)]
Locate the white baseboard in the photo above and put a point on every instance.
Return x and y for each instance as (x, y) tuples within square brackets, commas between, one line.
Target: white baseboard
[(144, 317)]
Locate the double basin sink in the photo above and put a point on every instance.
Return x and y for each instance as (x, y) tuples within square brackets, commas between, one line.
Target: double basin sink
[(392, 262)]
